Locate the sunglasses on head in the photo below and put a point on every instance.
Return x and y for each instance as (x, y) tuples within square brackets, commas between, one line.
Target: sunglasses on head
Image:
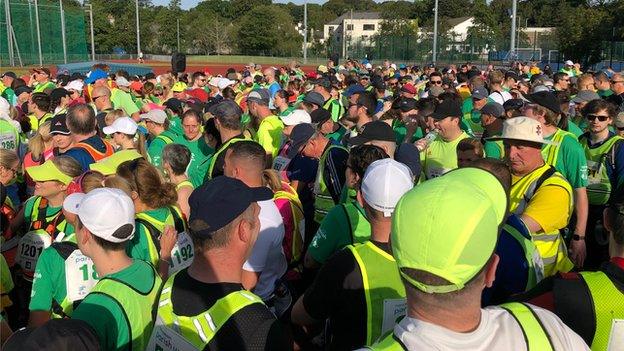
[(594, 117)]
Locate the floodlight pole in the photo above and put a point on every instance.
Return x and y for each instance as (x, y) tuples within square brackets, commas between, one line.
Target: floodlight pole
[(38, 32), (514, 12), (92, 36), (138, 32), (7, 10), (178, 26), (305, 32), (435, 32), (63, 32)]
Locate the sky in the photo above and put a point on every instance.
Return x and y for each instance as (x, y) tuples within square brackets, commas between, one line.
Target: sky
[(186, 4)]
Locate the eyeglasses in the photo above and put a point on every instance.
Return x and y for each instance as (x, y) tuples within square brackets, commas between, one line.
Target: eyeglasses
[(617, 81), (94, 98), (436, 82), (594, 117)]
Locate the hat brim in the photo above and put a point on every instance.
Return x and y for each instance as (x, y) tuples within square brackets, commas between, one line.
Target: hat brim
[(545, 142), (359, 140), (47, 172), (72, 202), (261, 193), (109, 130), (60, 132)]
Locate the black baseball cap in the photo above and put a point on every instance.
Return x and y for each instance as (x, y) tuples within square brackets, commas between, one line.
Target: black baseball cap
[(56, 334), (58, 93), (22, 89), (513, 104), (320, 115), (229, 195), (58, 125), (9, 74), (493, 109), (407, 104), (545, 99), (299, 136), (174, 104), (447, 108), (375, 130)]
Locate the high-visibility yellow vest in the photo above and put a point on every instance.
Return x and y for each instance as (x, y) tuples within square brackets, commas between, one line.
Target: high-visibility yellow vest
[(599, 188)]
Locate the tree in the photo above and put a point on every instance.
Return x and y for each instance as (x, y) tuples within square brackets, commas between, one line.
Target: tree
[(581, 40), (268, 30), (213, 35)]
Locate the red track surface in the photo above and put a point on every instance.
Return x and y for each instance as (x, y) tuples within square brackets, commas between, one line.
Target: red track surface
[(214, 68)]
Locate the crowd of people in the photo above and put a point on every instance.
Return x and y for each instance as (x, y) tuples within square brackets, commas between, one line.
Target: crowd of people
[(360, 205)]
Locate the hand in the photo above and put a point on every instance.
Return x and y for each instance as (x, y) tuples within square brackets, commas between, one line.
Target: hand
[(387, 105), (421, 144), (578, 252), (168, 240)]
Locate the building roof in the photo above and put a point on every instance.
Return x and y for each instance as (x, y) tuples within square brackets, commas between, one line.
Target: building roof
[(356, 15), (455, 21)]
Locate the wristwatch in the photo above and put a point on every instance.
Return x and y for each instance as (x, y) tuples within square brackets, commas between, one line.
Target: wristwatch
[(578, 237)]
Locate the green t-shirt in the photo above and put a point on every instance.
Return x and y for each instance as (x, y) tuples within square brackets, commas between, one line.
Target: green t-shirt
[(333, 234), (441, 156), (139, 246), (574, 129), (269, 134), (9, 95), (287, 111), (400, 130), (605, 93), (50, 211), (200, 152), (106, 316), (571, 161), (175, 125), (42, 87), (494, 149), (123, 100), (155, 148), (471, 120), (338, 135)]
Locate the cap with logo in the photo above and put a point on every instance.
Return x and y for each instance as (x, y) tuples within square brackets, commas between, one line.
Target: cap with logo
[(124, 125), (480, 93), (375, 130), (95, 75), (407, 104), (296, 117), (230, 195), (46, 172), (107, 213), (299, 136), (384, 182), (522, 129), (493, 109), (447, 108), (156, 116), (314, 98), (424, 239), (58, 125), (108, 166), (260, 96)]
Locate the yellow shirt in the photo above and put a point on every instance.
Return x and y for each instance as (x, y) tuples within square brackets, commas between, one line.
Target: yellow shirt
[(441, 156), (549, 206), (269, 134)]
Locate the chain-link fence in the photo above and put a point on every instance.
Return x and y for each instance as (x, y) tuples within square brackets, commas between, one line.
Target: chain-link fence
[(20, 38)]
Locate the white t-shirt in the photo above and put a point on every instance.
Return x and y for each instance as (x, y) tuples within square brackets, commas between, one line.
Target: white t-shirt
[(267, 255), (500, 97), (498, 330)]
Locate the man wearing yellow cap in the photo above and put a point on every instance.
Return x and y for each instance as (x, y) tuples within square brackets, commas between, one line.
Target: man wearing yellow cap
[(539, 194), (445, 265)]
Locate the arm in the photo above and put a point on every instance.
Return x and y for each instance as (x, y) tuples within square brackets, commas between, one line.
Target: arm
[(183, 196), (250, 279), (17, 221), (38, 318), (168, 240), (581, 209)]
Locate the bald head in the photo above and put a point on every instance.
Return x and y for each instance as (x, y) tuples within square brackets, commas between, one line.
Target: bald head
[(101, 90)]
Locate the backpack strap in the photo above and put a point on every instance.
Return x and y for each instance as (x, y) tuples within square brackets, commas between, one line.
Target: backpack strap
[(551, 170), (344, 210), (177, 220), (153, 231)]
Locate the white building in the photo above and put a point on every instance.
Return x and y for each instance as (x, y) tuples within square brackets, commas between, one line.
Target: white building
[(352, 27)]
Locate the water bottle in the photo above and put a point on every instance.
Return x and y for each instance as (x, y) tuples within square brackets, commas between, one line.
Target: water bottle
[(429, 138)]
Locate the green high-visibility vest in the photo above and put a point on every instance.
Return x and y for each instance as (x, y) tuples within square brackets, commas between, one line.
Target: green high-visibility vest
[(323, 202), (137, 306), (550, 152), (383, 289), (599, 188), (608, 304), (174, 332), (535, 335), (9, 137), (214, 157)]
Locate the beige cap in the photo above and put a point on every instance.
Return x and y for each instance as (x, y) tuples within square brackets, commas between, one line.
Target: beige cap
[(522, 128)]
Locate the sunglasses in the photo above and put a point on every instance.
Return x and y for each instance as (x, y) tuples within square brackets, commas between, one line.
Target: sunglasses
[(94, 98), (436, 82), (594, 117)]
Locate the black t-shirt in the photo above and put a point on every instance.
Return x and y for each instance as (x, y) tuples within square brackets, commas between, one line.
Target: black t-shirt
[(253, 327), (338, 294), (217, 170)]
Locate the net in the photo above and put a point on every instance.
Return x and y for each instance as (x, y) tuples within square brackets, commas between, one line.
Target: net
[(24, 33)]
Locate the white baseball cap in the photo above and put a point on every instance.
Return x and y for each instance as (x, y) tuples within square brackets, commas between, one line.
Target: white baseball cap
[(76, 85), (214, 81), (122, 82), (155, 115), (107, 213), (296, 117), (124, 125), (569, 63), (524, 129), (224, 83), (384, 183)]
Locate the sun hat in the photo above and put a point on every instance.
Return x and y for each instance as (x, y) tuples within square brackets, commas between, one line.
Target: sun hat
[(449, 227), (384, 182), (108, 166), (524, 129), (48, 171)]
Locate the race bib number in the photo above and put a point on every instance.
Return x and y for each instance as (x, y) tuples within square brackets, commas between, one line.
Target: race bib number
[(30, 247), (593, 172), (8, 141), (165, 339), (182, 253), (393, 311), (616, 338), (281, 163), (80, 276)]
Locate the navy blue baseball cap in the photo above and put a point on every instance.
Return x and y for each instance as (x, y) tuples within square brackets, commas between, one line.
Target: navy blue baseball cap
[(354, 89), (219, 201)]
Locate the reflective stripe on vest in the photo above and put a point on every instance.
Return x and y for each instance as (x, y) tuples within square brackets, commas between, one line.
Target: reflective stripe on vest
[(388, 342), (608, 302), (599, 188), (183, 184), (95, 154), (535, 334), (383, 289), (551, 152), (359, 230), (323, 201), (550, 245), (216, 155), (137, 306), (198, 330), (293, 242)]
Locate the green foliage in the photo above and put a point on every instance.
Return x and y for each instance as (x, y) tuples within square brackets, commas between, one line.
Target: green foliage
[(581, 40), (268, 30)]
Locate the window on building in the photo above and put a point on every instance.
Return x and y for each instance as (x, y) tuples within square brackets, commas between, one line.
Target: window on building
[(349, 27), (331, 29), (369, 27)]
